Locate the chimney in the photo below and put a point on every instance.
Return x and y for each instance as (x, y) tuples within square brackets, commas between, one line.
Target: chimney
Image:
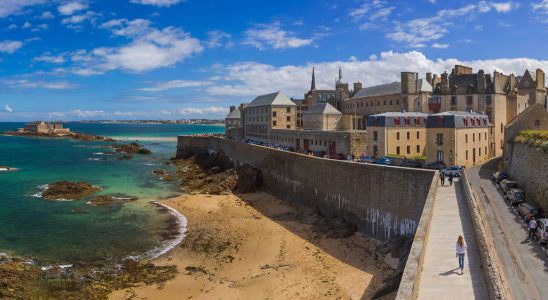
[(482, 86), (444, 83), (429, 78), (232, 108), (357, 87), (540, 79)]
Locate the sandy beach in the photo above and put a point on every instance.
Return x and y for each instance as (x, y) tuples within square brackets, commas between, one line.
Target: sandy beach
[(145, 138), (254, 246)]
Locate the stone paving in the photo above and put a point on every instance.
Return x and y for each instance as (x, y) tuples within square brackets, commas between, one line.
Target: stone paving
[(440, 277)]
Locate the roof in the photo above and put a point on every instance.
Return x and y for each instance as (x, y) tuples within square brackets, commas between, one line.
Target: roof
[(525, 113), (271, 99), (397, 119), (458, 119), (235, 114), (322, 108), (401, 114), (390, 89)]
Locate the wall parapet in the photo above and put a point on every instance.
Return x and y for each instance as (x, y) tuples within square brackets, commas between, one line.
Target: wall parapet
[(410, 281), (493, 273)]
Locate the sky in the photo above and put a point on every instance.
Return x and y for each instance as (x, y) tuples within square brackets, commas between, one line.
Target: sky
[(180, 59)]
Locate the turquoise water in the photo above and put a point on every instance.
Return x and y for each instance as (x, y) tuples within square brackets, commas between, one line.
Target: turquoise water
[(68, 231)]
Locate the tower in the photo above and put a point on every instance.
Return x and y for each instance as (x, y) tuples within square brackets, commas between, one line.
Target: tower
[(313, 84)]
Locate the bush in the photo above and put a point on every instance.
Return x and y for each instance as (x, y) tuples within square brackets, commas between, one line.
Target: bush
[(534, 138)]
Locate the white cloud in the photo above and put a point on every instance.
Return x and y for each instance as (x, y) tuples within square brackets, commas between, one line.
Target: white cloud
[(264, 36), (45, 15), (373, 11), (11, 7), (8, 109), (217, 38), (201, 111), (10, 46), (440, 46), (159, 3), (26, 25), (70, 7), (47, 57), (541, 7), (175, 84), (501, 7), (150, 48), (77, 19), (11, 26), (249, 79), (37, 84)]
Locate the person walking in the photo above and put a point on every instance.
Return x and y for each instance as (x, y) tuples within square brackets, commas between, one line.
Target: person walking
[(442, 178), (532, 228), (451, 178), (461, 251)]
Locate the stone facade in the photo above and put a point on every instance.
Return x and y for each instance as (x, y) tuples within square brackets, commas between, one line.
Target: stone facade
[(328, 142), (534, 117), (46, 128), (267, 112)]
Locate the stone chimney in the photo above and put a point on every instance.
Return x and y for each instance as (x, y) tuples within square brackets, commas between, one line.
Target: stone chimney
[(232, 108), (357, 87), (409, 82), (429, 78), (444, 85), (540, 79), (482, 85)]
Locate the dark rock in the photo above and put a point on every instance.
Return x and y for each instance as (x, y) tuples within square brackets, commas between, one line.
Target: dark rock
[(249, 179), (115, 199), (69, 190)]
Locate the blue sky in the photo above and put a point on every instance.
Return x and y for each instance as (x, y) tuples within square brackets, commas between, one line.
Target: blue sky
[(173, 59)]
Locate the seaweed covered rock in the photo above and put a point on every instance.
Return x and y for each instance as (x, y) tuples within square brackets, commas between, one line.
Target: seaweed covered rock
[(249, 179), (132, 148), (110, 200), (69, 190)]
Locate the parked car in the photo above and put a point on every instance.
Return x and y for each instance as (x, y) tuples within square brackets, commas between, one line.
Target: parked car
[(383, 161), (514, 196), (411, 163), (542, 230), (527, 210), (437, 165), (455, 170), (499, 176), (337, 156), (507, 184), (367, 159)]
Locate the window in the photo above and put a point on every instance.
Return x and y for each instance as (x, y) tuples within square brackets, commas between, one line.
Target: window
[(466, 138), (418, 135), (397, 101), (375, 150), (398, 150), (485, 150), (466, 154), (288, 109), (479, 136), (274, 114), (479, 151), (384, 102), (390, 102), (418, 149), (288, 118), (469, 100), (537, 123), (408, 149), (439, 121), (485, 136), (407, 121), (288, 126), (501, 128), (453, 100), (375, 135), (408, 135), (488, 100), (473, 138), (397, 136), (439, 155), (439, 138), (273, 123)]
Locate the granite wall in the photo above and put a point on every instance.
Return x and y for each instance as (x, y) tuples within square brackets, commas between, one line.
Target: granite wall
[(382, 201)]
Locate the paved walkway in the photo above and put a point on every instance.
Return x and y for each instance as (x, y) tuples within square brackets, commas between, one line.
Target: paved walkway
[(440, 277)]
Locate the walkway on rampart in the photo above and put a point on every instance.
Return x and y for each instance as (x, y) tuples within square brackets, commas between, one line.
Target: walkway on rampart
[(440, 277)]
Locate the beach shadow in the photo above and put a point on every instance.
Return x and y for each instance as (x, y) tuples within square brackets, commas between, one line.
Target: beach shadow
[(450, 272), (292, 216)]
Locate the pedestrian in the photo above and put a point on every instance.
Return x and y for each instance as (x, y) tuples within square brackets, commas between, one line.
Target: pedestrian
[(461, 251), (451, 178), (442, 178), (532, 228)]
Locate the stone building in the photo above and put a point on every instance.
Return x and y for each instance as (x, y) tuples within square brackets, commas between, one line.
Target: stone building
[(233, 124), (458, 138), (397, 134), (501, 97), (321, 116), (268, 112), (410, 94), (334, 97), (535, 117), (45, 128)]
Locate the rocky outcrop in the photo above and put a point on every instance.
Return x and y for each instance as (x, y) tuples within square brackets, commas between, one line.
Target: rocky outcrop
[(133, 148), (216, 174), (110, 200), (68, 190), (72, 135)]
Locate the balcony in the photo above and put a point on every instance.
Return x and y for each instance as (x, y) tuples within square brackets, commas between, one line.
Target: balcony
[(436, 107)]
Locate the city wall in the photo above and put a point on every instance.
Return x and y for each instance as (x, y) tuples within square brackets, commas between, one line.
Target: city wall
[(529, 167), (382, 201)]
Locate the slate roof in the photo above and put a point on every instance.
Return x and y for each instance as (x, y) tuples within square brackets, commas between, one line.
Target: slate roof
[(457, 119), (390, 89), (276, 99), (235, 114), (322, 108), (388, 119)]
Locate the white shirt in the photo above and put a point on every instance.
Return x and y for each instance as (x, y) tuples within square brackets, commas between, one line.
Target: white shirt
[(461, 250), (533, 224)]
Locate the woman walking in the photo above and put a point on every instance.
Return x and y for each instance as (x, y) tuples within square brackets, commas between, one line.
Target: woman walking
[(461, 251)]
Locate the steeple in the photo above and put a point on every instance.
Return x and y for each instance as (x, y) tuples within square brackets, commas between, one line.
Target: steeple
[(313, 84)]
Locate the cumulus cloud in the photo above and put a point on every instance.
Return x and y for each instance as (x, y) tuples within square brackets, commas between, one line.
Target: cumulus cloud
[(149, 48), (249, 79), (71, 7), (159, 3), (10, 46), (8, 109), (11, 7), (175, 84), (218, 38), (264, 36)]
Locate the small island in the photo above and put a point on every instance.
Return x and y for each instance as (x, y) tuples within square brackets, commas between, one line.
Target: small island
[(110, 200), (69, 190), (57, 130)]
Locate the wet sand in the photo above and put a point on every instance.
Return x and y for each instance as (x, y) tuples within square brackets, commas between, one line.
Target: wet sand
[(254, 246)]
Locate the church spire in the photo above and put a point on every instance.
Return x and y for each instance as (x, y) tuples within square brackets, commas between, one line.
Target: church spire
[(339, 80), (313, 84)]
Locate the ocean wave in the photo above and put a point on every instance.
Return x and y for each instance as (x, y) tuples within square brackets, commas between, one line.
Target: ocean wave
[(166, 247)]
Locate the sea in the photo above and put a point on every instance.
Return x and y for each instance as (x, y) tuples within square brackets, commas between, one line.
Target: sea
[(60, 232)]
